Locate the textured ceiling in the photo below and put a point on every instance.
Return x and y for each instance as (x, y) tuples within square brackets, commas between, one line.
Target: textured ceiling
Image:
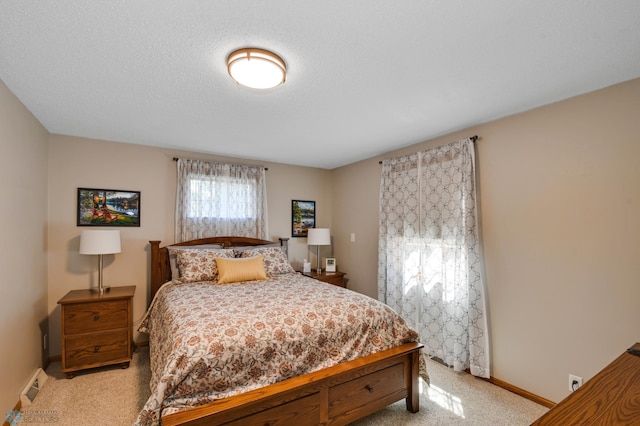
[(364, 76)]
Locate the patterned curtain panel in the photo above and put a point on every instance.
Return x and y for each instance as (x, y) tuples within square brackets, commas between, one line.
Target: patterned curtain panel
[(219, 199), (429, 268)]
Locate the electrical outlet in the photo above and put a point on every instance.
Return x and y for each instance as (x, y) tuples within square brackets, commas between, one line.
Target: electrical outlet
[(574, 382)]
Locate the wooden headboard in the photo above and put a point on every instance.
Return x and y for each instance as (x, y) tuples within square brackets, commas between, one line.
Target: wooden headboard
[(161, 270)]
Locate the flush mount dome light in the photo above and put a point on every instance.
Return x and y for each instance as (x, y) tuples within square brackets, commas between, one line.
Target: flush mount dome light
[(256, 68)]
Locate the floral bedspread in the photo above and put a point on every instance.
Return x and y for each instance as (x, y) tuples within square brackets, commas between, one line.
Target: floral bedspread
[(211, 341)]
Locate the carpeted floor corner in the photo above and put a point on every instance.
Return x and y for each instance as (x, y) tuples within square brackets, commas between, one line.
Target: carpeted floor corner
[(104, 396), (114, 396)]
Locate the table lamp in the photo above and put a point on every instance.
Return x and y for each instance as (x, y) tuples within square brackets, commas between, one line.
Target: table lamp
[(318, 237), (100, 242)]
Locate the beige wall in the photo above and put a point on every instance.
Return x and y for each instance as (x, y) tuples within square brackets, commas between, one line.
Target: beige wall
[(560, 189), (23, 222), (560, 195), (78, 162)]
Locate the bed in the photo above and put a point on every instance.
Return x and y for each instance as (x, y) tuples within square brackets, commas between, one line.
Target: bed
[(276, 348)]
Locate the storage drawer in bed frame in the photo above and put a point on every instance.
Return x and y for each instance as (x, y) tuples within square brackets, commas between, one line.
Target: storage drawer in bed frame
[(336, 395)]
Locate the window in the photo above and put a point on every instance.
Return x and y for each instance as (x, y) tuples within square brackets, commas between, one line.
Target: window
[(204, 192), (429, 263), (220, 199)]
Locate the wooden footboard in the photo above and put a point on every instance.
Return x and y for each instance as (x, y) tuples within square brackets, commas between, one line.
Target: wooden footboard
[(333, 396)]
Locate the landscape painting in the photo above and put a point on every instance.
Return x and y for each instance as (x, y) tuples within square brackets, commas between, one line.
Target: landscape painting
[(303, 217), (108, 207)]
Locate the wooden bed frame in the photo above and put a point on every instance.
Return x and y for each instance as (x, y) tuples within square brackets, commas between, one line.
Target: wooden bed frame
[(336, 395), (161, 269)]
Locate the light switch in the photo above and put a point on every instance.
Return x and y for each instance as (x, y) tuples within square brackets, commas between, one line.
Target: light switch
[(353, 237)]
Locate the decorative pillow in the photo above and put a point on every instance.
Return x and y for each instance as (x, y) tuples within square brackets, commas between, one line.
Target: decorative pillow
[(173, 258), (275, 260), (244, 269), (200, 265), (241, 249)]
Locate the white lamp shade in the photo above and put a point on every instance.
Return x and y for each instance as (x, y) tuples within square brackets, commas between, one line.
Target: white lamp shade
[(319, 237), (103, 241)]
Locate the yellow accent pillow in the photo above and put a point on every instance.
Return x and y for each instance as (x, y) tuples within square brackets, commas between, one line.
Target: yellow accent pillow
[(244, 269)]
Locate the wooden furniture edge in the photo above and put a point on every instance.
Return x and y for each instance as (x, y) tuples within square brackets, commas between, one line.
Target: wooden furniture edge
[(528, 395), (335, 278), (161, 270), (248, 403), (610, 397), (86, 295)]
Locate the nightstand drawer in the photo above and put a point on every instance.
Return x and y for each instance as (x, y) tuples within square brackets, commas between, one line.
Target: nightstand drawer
[(96, 348), (95, 316)]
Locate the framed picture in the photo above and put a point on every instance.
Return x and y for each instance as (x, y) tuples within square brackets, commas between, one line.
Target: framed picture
[(303, 217), (330, 265), (108, 207)]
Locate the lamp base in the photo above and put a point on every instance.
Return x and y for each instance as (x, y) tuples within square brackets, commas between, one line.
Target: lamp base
[(104, 290)]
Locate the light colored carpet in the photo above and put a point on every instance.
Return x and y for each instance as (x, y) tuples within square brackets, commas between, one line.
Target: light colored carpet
[(113, 396), (105, 396)]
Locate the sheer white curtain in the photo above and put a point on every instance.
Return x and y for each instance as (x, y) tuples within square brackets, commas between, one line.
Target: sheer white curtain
[(215, 199), (429, 267)]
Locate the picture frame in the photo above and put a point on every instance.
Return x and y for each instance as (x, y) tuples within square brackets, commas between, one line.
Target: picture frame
[(303, 217), (108, 207), (330, 264)]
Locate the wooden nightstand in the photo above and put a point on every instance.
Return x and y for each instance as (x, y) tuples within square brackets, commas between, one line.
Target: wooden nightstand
[(96, 328), (335, 278)]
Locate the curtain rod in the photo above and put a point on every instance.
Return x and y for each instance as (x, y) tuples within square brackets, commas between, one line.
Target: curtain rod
[(176, 159), (473, 139)]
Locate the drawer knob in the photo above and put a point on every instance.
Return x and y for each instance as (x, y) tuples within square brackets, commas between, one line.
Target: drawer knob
[(96, 317), (96, 348), (369, 388)]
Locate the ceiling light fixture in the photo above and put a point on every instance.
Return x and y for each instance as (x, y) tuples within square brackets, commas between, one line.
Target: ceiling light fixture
[(256, 68)]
